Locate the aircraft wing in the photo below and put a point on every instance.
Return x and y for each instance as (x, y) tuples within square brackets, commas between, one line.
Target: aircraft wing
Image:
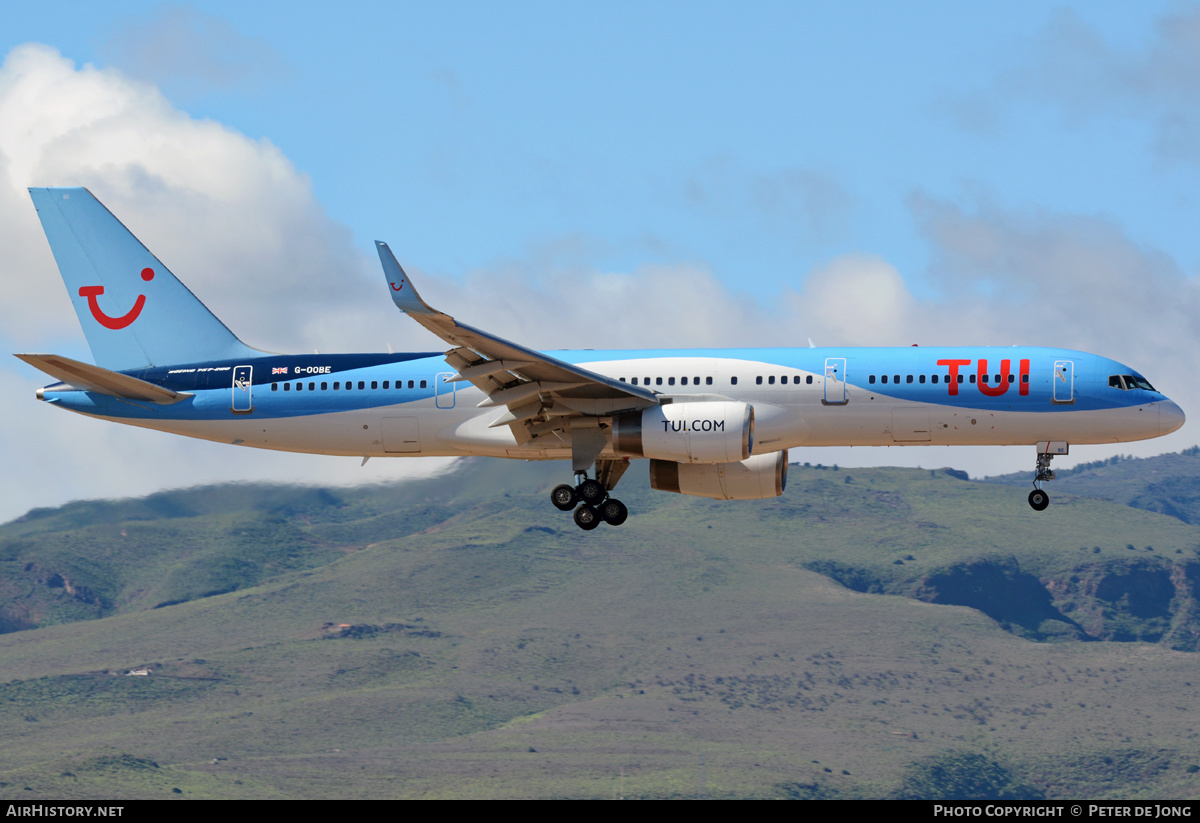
[(86, 377), (530, 384)]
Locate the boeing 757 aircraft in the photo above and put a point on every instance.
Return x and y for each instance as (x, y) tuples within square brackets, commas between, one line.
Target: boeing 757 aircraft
[(712, 423)]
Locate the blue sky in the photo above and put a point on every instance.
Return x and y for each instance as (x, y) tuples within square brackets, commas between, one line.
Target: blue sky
[(614, 175)]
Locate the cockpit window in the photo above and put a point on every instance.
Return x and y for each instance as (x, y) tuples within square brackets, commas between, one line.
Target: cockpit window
[(1130, 381)]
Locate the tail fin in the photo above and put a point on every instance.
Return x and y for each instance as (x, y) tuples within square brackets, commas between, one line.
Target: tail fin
[(134, 312)]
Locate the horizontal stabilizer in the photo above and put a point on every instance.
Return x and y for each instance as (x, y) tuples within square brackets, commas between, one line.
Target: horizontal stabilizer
[(86, 377)]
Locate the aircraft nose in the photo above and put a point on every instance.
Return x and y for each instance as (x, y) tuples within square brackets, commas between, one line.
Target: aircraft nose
[(1170, 417)]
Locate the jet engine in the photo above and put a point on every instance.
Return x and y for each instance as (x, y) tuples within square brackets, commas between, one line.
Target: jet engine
[(707, 432), (763, 475)]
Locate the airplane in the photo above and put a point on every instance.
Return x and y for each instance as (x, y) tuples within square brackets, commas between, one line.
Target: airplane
[(714, 423)]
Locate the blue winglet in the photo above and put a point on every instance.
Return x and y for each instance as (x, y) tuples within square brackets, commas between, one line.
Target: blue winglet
[(404, 293)]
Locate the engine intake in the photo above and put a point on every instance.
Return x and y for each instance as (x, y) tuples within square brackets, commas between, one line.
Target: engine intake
[(710, 432)]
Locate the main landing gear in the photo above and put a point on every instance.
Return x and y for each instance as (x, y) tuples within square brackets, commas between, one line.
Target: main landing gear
[(1038, 499), (594, 504)]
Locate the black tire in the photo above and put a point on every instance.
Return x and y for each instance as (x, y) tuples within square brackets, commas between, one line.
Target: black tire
[(590, 492), (563, 497), (1039, 500), (614, 512), (587, 518)]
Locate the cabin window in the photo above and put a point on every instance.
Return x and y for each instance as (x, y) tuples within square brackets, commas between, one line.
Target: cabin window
[(287, 386), (387, 384), (683, 381), (670, 381), (374, 385), (410, 384), (808, 379), (983, 378), (1010, 378), (908, 379), (972, 378), (733, 381), (796, 379), (424, 384), (299, 387), (960, 378), (634, 381), (771, 380), (695, 381), (337, 386), (274, 387), (934, 378), (362, 385), (312, 386), (896, 378), (708, 381), (758, 380), (622, 379), (883, 379), (871, 379), (324, 387), (658, 381), (921, 378)]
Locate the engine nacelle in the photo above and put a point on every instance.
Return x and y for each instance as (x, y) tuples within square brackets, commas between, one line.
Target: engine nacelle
[(763, 475), (716, 432)]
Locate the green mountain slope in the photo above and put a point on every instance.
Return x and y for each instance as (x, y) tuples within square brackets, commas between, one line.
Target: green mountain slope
[(459, 637), (1168, 484)]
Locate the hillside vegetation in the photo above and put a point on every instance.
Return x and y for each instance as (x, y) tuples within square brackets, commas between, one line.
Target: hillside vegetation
[(459, 637)]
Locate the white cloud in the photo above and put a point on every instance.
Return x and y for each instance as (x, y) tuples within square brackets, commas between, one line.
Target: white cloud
[(231, 216), (1073, 67), (188, 51), (804, 206)]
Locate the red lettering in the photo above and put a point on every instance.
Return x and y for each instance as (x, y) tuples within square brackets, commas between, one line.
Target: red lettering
[(953, 366), (994, 391), (1024, 378)]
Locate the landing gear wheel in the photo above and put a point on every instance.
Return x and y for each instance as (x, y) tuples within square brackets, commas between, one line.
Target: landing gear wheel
[(587, 518), (613, 512), (563, 497), (1039, 500), (590, 492)]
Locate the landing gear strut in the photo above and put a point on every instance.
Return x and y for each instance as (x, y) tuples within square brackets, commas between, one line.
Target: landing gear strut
[(590, 497), (1038, 499)]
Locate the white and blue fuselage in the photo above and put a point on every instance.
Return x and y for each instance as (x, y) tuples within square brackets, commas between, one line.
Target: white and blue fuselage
[(342, 403), (713, 423)]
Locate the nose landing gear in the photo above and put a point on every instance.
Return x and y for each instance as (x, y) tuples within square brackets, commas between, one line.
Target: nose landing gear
[(1038, 499), (590, 497)]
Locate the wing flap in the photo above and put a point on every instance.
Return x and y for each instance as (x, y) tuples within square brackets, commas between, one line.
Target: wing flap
[(86, 377)]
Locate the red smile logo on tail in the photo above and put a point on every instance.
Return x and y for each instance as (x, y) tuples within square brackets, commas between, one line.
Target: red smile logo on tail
[(92, 292)]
